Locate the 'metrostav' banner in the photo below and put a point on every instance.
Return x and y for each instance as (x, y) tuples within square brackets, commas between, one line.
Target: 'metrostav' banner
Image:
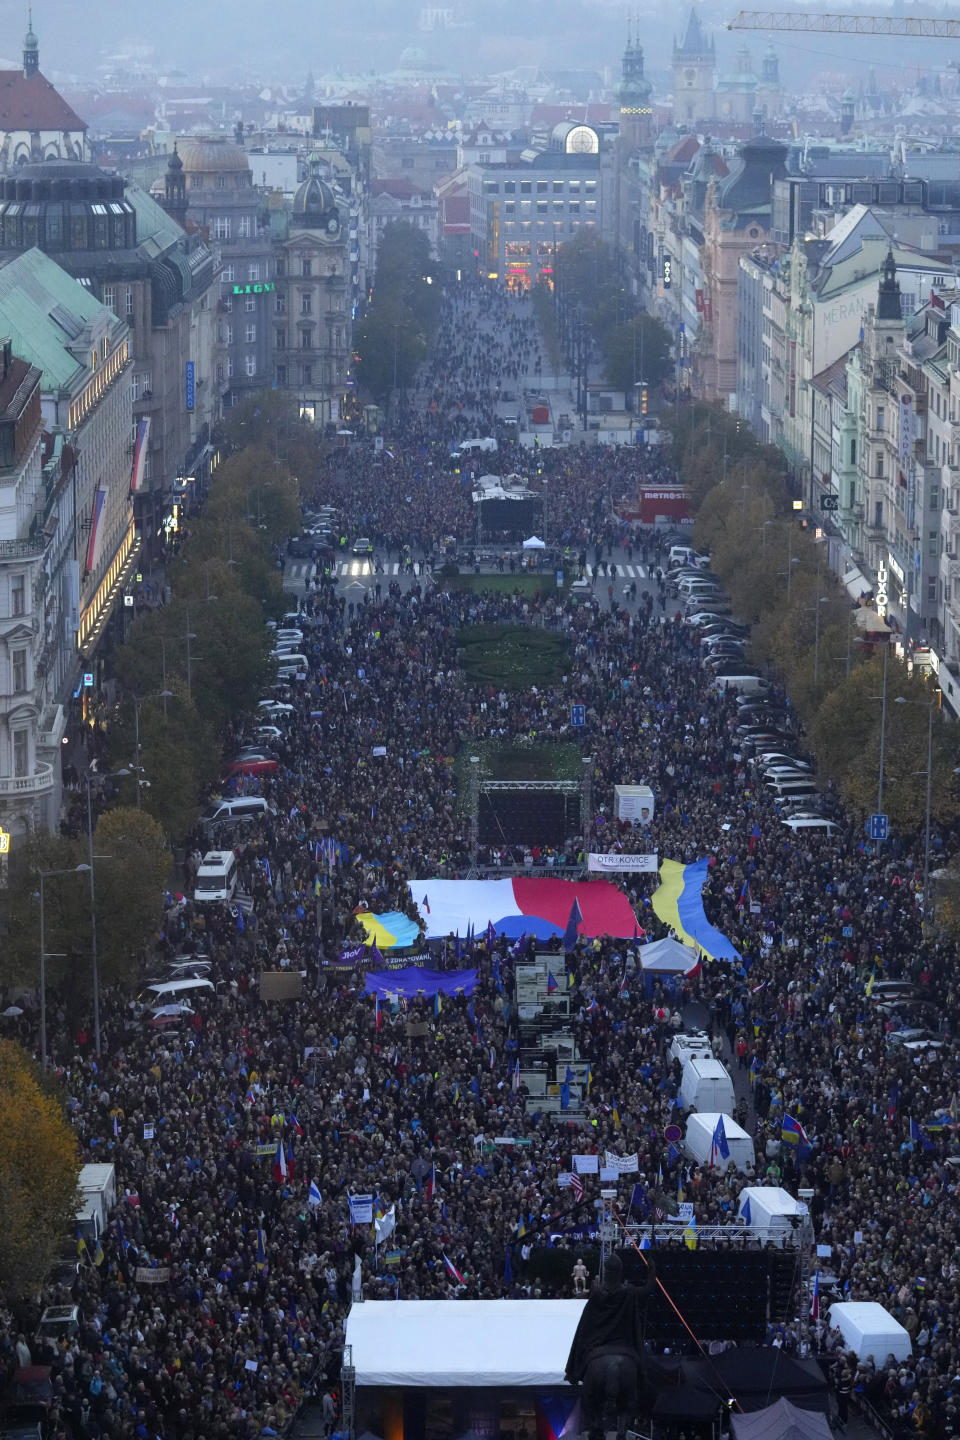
[(647, 864)]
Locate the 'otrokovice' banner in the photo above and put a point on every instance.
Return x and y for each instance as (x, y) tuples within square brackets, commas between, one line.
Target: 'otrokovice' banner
[(633, 864)]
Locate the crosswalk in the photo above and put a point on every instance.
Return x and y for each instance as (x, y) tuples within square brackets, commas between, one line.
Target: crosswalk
[(356, 569)]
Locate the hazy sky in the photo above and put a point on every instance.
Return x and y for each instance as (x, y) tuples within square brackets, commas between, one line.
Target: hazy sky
[(281, 40)]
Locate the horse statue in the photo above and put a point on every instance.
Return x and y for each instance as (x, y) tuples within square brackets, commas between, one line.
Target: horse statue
[(607, 1351)]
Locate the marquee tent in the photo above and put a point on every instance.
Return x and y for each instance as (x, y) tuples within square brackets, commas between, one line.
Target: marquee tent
[(534, 543), (868, 1329), (475, 1343), (781, 1421), (538, 908), (752, 1376), (667, 957)]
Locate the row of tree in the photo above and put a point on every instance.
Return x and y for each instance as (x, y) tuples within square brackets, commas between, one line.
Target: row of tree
[(392, 338), (185, 670), (590, 288), (804, 626)]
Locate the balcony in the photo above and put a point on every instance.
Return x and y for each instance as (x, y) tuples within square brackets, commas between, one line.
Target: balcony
[(26, 549), (36, 784)]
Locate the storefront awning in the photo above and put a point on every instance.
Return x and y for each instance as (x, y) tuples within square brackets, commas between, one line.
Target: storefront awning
[(855, 583)]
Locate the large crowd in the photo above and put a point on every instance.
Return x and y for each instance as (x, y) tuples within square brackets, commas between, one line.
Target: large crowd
[(250, 1320)]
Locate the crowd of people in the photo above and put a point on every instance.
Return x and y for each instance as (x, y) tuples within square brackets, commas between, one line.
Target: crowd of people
[(238, 1137)]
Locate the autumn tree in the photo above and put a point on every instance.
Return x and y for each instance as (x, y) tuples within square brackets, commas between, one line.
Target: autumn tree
[(39, 1168), (179, 757)]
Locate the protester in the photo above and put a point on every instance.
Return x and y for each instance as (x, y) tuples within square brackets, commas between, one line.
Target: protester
[(239, 1136)]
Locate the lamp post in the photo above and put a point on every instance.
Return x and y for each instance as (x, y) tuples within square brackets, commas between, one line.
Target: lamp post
[(929, 706), (45, 875)]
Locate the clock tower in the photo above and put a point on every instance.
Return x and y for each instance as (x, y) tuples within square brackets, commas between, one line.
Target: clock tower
[(694, 66)]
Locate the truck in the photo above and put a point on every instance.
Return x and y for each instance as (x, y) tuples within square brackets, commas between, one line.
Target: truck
[(98, 1193), (705, 1085), (698, 1142), (772, 1210)]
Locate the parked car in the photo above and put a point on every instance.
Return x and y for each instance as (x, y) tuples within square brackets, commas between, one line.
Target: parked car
[(255, 764)]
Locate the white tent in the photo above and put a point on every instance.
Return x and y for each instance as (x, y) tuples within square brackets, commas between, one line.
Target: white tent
[(868, 1329), (463, 1342), (781, 1421), (667, 957), (534, 543)]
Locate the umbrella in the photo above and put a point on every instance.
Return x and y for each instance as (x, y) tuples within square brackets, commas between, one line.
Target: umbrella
[(13, 1010)]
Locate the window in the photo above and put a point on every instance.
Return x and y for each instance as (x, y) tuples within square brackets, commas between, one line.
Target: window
[(18, 595), (524, 187), (558, 187), (219, 372), (932, 590), (573, 186), (853, 452), (253, 271), (226, 273), (128, 301), (21, 753), (250, 334), (281, 265), (196, 181), (108, 296), (250, 365), (306, 338), (281, 304), (244, 227), (134, 388), (228, 304), (878, 465), (221, 227), (574, 207), (878, 514), (228, 334), (306, 304), (510, 207), (541, 207), (492, 187), (221, 182), (18, 665), (250, 304), (307, 374), (509, 187), (542, 187), (558, 207), (281, 375), (306, 265), (881, 416), (934, 497), (281, 339)]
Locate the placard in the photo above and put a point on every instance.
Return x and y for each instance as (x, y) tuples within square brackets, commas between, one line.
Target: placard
[(685, 1211), (148, 1132), (586, 1164), (280, 984), (151, 1274), (609, 1173), (824, 1252)]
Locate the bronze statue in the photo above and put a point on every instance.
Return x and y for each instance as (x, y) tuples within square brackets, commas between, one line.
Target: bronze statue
[(607, 1350)]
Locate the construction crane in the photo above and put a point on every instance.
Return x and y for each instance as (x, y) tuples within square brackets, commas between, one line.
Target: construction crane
[(914, 27)]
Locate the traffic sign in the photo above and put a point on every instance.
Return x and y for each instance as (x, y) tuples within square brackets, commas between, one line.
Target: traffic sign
[(4, 843), (877, 827), (578, 715), (829, 502)]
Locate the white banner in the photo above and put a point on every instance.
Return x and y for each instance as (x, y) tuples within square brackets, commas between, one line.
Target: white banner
[(634, 864), (623, 1164)]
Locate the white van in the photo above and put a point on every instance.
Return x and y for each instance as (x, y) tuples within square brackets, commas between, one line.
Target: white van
[(698, 1143), (244, 808), (687, 1043), (164, 992), (746, 684), (706, 1086), (216, 878), (798, 823), (685, 555)]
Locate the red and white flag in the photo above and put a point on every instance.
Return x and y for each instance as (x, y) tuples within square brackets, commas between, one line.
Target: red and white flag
[(453, 1270)]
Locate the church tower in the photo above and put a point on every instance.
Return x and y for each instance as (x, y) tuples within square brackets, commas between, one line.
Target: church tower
[(694, 66), (31, 50), (633, 97)]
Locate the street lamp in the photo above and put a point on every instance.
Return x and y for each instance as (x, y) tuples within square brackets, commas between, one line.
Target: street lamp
[(902, 700), (45, 875), (815, 607)]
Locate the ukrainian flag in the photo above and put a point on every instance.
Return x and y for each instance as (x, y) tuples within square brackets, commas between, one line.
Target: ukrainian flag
[(792, 1132)]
